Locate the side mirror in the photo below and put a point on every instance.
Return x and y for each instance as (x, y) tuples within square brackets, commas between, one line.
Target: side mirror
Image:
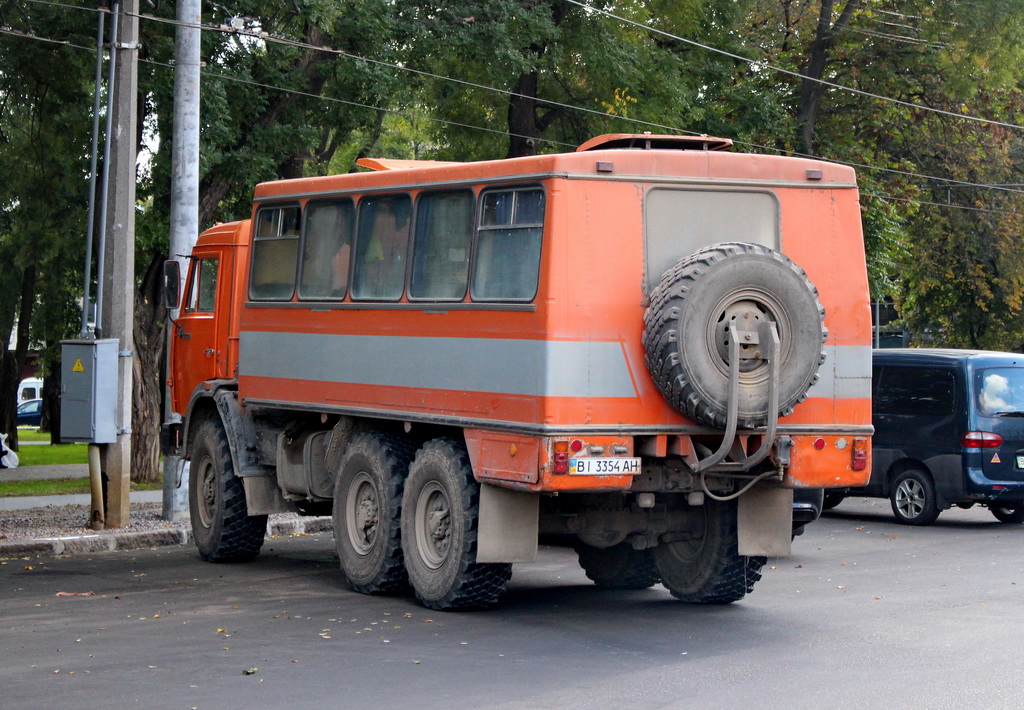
[(172, 284)]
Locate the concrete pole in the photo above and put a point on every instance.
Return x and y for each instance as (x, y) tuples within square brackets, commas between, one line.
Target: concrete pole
[(184, 207), (119, 256)]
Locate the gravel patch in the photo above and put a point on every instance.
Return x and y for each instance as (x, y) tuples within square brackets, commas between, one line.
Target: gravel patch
[(70, 520), (73, 520)]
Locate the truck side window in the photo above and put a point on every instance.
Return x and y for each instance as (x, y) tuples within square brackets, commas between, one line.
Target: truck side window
[(326, 250), (508, 245), (382, 243), (275, 251), (915, 391), (207, 285), (202, 297), (444, 229)]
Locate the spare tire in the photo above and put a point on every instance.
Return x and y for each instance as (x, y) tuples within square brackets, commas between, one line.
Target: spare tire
[(686, 337)]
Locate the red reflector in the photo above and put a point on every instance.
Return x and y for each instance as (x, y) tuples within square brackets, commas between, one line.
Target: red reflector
[(981, 440), (575, 445), (819, 444)]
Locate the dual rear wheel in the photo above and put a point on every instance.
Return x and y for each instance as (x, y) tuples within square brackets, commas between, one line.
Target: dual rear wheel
[(394, 530)]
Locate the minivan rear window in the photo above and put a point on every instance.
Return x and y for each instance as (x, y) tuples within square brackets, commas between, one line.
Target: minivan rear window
[(1000, 390)]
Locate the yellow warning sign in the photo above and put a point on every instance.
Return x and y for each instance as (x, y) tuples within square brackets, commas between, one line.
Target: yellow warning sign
[(996, 459), (78, 367)]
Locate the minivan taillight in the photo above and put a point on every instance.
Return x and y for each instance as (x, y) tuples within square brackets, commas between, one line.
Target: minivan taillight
[(981, 440)]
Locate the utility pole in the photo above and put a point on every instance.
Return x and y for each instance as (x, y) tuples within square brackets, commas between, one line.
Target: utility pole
[(119, 257), (184, 206)]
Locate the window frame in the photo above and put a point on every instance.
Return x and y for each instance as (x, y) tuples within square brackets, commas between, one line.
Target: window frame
[(413, 241), (361, 205), (313, 203), (481, 228), (257, 239)]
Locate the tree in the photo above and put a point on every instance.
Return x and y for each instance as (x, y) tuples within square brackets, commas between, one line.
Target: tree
[(44, 110)]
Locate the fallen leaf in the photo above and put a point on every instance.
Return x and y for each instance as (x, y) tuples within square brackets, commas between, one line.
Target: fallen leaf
[(251, 671)]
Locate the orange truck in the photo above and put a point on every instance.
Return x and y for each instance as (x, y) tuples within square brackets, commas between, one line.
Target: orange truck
[(640, 348)]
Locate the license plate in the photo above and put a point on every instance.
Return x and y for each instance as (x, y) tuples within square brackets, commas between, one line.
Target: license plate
[(605, 467), (1020, 462)]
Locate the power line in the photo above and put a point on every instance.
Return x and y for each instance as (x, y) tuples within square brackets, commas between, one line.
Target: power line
[(271, 38), (788, 72), (947, 205), (268, 37), (231, 30)]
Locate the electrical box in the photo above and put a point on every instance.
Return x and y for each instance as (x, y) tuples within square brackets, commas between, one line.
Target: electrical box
[(88, 397)]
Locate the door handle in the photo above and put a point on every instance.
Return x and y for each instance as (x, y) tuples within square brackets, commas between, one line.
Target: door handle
[(208, 352)]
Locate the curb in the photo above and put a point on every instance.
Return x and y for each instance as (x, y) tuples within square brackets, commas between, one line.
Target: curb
[(144, 539)]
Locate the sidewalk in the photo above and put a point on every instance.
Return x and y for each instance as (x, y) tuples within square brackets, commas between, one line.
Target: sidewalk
[(110, 540)]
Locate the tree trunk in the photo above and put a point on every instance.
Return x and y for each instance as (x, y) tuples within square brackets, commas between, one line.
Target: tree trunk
[(8, 397), (147, 398), (811, 88), (51, 402), (524, 134)]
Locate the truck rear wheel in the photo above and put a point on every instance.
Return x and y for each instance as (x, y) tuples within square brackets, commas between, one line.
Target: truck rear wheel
[(686, 335), (707, 568), (440, 521), (367, 511), (222, 528), (618, 566)]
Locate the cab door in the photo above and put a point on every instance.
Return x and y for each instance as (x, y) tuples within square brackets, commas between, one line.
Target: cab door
[(199, 345)]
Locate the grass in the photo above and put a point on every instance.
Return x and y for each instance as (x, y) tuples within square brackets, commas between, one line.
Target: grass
[(26, 433), (55, 455), (59, 487)]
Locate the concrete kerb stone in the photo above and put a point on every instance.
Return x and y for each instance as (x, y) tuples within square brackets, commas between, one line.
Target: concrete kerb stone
[(143, 539)]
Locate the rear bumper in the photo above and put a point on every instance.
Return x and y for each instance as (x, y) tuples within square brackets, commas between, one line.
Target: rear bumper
[(980, 488)]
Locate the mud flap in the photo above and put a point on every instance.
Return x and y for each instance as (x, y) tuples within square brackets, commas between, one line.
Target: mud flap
[(508, 525), (766, 521), (263, 497)]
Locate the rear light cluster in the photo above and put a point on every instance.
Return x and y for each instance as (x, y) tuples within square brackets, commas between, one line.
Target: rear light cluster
[(981, 440), (561, 464), (860, 453)]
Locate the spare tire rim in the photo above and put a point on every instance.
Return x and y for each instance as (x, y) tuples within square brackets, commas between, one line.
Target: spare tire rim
[(745, 309)]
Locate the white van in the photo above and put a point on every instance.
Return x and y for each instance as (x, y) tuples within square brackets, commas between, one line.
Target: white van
[(30, 388)]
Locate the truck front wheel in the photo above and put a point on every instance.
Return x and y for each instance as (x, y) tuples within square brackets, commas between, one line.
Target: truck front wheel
[(706, 567), (367, 512), (440, 521), (222, 528)]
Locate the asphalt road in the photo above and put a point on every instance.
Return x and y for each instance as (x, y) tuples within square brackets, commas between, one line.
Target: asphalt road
[(866, 614)]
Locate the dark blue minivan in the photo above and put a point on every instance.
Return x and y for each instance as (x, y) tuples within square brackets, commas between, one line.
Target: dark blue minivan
[(949, 430)]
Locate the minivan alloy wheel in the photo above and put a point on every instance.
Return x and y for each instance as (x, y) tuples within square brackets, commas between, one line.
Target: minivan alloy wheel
[(913, 498)]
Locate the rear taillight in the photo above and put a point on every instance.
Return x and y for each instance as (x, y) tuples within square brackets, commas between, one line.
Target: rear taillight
[(981, 440), (860, 453), (561, 463)]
